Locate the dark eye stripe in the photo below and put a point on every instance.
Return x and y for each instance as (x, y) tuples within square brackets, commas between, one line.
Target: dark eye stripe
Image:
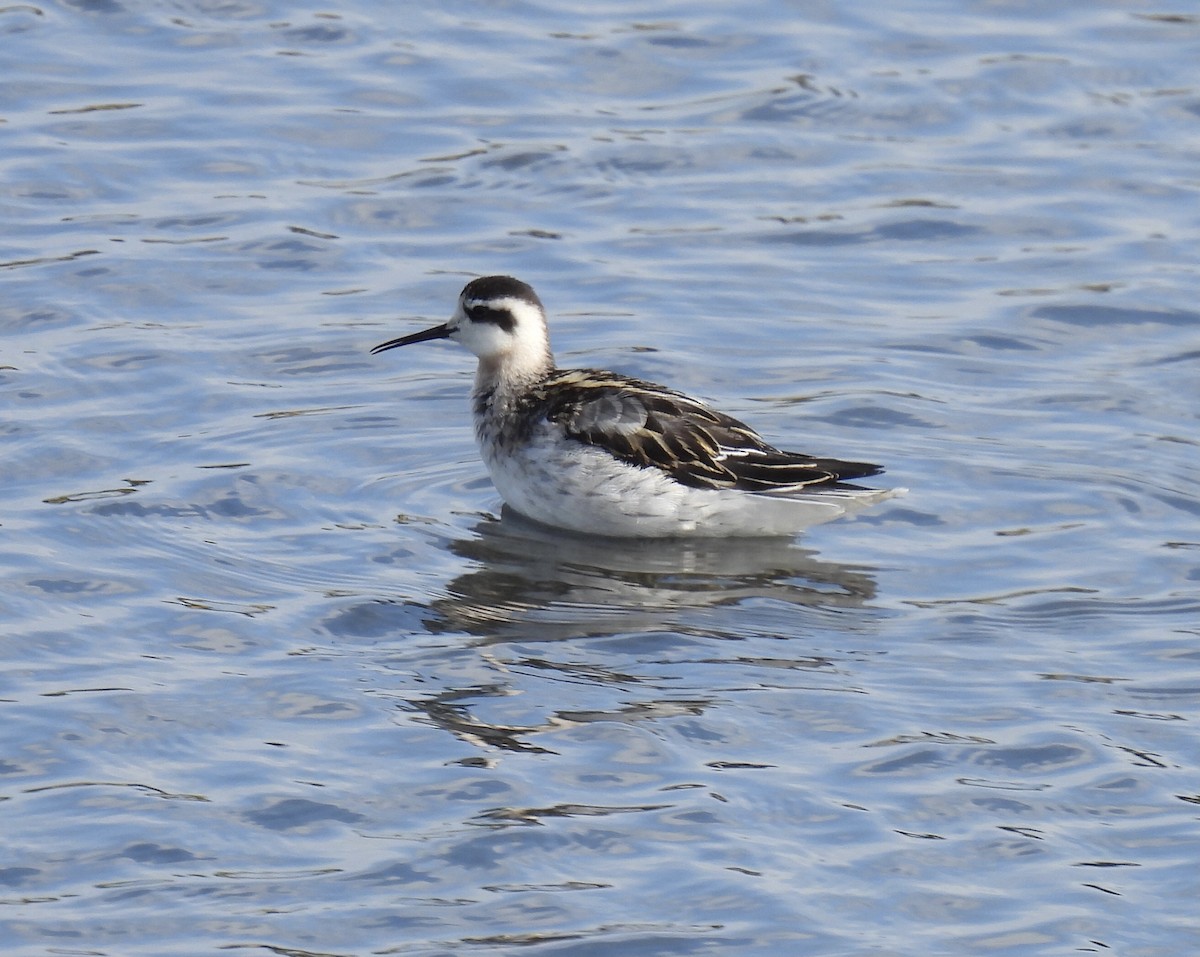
[(498, 317)]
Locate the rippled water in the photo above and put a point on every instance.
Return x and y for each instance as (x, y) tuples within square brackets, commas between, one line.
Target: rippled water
[(277, 674)]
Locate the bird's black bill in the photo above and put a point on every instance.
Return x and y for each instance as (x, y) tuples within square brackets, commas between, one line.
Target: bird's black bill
[(437, 332)]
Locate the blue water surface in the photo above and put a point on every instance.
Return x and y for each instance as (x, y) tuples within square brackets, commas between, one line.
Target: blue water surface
[(278, 676)]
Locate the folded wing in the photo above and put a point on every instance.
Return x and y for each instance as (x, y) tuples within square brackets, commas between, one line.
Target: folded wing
[(652, 427)]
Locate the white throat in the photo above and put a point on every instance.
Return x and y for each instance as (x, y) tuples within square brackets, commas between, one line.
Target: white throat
[(515, 356)]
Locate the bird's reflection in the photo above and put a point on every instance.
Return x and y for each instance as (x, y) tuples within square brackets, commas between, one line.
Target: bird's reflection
[(661, 609), (543, 584)]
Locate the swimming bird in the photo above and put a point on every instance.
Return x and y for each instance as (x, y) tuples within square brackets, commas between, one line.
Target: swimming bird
[(604, 453)]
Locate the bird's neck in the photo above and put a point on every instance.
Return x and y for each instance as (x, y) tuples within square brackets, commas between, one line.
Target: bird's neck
[(513, 373), (500, 403)]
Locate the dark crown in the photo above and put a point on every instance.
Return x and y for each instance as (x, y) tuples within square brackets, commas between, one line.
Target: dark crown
[(499, 287)]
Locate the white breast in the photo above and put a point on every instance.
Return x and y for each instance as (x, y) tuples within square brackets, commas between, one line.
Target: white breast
[(565, 483)]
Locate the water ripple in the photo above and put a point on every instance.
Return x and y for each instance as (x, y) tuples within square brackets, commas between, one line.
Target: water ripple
[(270, 638)]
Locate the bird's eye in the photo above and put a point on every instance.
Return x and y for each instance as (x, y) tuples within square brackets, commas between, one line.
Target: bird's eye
[(503, 318)]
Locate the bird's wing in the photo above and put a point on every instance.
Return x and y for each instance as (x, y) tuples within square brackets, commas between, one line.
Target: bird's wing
[(652, 427)]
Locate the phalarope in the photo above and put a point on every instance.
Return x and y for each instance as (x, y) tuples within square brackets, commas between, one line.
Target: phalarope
[(603, 453)]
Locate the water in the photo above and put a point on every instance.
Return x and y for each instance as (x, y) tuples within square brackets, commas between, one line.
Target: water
[(278, 677)]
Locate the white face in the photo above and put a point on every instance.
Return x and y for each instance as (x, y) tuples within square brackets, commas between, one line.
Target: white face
[(507, 327), (499, 319)]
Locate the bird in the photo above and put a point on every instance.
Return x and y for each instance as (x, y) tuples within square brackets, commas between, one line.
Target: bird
[(602, 453)]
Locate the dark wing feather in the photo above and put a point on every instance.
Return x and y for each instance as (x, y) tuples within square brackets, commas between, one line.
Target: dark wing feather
[(652, 427)]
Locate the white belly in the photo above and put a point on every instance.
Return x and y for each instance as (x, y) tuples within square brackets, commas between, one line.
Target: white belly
[(571, 485)]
